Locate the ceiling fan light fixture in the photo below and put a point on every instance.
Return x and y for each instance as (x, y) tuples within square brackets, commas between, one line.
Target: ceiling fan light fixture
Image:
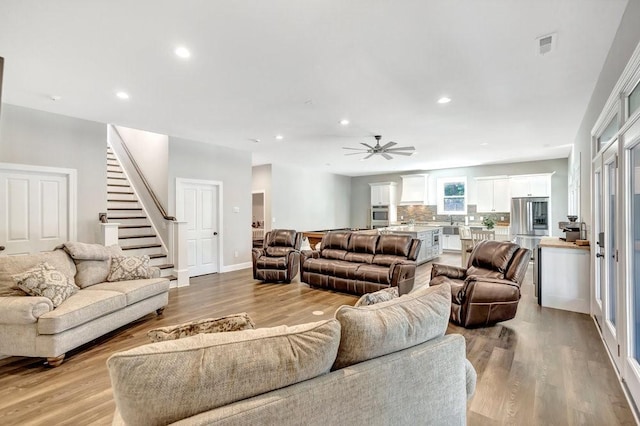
[(344, 122), (386, 151), (444, 100)]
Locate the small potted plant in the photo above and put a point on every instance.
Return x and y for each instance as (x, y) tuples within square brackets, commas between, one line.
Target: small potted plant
[(489, 222)]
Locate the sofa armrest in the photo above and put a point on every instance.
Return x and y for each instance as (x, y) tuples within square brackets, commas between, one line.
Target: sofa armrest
[(402, 274), (309, 254), (23, 309), (154, 272), (450, 271), (472, 378)]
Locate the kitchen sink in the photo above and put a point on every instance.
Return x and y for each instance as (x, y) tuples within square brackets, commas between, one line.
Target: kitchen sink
[(450, 230)]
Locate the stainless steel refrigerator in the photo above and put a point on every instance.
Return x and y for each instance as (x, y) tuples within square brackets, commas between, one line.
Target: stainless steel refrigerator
[(530, 218)]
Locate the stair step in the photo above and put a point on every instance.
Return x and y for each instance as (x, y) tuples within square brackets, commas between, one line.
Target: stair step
[(133, 226), (156, 255), (117, 178), (125, 217), (115, 171), (171, 277), (165, 266), (121, 201), (128, 237), (119, 185), (126, 209), (121, 192), (144, 246)]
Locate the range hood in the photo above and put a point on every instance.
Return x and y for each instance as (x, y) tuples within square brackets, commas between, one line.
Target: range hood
[(414, 189)]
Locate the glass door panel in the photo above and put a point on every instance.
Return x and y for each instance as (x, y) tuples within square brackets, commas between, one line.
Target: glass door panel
[(634, 259), (610, 242), (599, 226)]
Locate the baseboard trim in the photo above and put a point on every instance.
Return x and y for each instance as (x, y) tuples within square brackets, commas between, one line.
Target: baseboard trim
[(236, 267)]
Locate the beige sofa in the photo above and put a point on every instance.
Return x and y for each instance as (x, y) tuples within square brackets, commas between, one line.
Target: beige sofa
[(388, 363), (30, 326)]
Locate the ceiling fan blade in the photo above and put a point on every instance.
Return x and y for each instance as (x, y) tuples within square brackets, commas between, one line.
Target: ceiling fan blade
[(388, 145), (401, 148), (355, 149), (401, 153), (387, 156), (366, 144), (369, 156), (356, 153)]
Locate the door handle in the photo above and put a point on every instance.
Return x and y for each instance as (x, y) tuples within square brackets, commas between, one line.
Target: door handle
[(2, 248), (215, 233), (599, 255)]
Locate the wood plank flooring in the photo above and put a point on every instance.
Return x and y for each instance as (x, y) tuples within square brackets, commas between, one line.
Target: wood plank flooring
[(544, 367)]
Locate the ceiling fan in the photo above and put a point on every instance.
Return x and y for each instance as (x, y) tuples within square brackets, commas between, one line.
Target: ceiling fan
[(385, 150)]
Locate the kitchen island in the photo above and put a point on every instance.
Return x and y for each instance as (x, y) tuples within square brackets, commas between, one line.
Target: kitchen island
[(430, 237), (315, 237)]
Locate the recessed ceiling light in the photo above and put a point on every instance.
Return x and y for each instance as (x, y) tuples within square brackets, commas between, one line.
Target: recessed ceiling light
[(344, 122), (279, 137), (182, 52), (484, 144), (122, 95), (55, 97), (444, 100)]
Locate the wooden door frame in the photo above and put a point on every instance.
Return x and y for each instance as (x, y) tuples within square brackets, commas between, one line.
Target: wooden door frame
[(180, 183), (72, 189)]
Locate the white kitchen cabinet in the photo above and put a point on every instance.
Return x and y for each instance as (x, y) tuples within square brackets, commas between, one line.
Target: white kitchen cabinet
[(564, 276), (530, 185), (492, 195), (414, 189), (451, 242), (383, 193)]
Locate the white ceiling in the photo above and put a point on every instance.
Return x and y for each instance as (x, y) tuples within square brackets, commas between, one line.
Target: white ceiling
[(296, 68)]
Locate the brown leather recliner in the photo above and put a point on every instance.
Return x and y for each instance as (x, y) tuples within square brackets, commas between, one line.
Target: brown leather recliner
[(279, 259), (487, 291)]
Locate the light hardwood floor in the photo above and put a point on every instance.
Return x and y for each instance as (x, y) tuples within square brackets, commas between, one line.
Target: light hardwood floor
[(544, 367)]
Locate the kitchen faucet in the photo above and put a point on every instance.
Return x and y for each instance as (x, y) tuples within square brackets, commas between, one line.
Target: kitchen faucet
[(450, 219)]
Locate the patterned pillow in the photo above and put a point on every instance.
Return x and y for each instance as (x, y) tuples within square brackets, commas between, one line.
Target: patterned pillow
[(383, 295), (129, 268), (45, 280), (235, 322)]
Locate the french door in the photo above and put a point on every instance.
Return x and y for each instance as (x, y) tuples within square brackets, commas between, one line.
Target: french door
[(607, 283)]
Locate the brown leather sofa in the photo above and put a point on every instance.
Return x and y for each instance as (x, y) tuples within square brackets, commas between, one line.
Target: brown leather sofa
[(487, 291), (361, 263), (279, 259)]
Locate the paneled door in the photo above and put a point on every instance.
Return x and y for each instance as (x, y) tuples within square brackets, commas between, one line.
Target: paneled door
[(197, 204), (36, 208)]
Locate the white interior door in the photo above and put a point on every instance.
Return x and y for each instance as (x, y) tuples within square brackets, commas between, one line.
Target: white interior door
[(34, 210), (198, 204)]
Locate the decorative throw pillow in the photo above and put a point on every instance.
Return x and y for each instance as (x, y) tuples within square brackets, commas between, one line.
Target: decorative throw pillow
[(45, 280), (373, 331), (129, 268), (92, 272), (383, 295), (234, 322)]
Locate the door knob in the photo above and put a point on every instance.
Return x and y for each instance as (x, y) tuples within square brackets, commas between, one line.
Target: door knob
[(599, 255), (1, 248), (215, 233)]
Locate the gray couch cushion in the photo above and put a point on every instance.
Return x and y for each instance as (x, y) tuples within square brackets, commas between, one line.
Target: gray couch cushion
[(211, 370), (92, 272), (376, 330), (80, 308), (135, 290)]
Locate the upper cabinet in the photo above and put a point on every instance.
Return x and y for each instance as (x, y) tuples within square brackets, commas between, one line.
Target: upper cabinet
[(383, 193), (530, 185), (493, 194), (414, 189)]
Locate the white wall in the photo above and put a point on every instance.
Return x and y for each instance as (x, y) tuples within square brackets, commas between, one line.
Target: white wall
[(307, 200), (29, 136), (151, 152), (361, 192), (203, 161), (261, 181), (622, 47)]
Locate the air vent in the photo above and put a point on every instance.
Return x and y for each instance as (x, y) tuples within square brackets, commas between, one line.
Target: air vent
[(546, 44)]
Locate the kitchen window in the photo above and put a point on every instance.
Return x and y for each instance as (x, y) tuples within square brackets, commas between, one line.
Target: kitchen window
[(452, 195)]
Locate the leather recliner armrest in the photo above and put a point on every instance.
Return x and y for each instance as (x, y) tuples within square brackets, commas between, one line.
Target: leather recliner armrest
[(450, 271), (488, 290), (402, 274)]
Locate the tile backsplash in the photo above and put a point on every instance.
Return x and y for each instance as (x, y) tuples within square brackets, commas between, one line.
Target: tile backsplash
[(428, 213)]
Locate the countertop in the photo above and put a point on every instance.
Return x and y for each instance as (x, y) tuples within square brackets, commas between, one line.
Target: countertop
[(409, 228), (556, 242)]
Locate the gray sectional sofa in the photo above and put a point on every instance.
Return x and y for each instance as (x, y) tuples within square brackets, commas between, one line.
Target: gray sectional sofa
[(385, 364), (31, 326)]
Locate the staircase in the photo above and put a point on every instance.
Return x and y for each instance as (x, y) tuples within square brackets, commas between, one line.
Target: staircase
[(136, 235)]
